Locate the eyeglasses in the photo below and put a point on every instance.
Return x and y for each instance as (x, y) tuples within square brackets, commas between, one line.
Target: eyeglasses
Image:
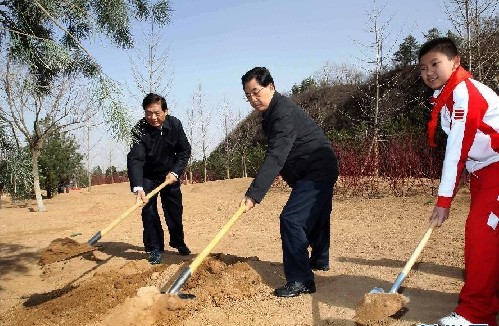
[(252, 93)]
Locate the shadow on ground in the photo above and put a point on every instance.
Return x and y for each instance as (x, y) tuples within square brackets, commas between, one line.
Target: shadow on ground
[(15, 259), (131, 252), (348, 290), (430, 268)]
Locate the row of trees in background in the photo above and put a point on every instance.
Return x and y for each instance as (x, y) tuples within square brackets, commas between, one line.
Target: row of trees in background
[(60, 166)]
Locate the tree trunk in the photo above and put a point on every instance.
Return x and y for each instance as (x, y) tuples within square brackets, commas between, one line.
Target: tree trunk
[(376, 154), (205, 163), (89, 173), (35, 153), (243, 160)]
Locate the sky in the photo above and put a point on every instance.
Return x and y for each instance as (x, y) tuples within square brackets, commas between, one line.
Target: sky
[(213, 43)]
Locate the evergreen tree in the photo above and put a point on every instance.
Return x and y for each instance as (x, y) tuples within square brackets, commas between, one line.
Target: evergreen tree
[(407, 54), (59, 161), (97, 172), (432, 33), (47, 36), (15, 169)]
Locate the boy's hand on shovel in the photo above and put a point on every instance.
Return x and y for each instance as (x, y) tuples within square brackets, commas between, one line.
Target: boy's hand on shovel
[(440, 214)]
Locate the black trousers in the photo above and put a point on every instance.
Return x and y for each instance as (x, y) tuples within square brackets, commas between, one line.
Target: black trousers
[(304, 222), (171, 202)]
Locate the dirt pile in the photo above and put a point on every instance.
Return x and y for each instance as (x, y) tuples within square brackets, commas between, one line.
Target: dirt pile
[(376, 308), (130, 295), (61, 249)]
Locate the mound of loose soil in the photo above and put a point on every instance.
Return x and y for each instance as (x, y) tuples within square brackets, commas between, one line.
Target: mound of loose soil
[(61, 249), (371, 239), (130, 296), (376, 308)]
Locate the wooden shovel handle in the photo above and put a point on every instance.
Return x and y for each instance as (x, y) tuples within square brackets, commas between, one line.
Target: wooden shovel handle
[(419, 248), (138, 204), (202, 255), (131, 209), (187, 272)]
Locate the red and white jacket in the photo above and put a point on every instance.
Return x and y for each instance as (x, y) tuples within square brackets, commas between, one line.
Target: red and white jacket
[(470, 118)]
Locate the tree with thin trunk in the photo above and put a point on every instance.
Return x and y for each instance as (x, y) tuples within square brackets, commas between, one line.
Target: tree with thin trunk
[(150, 63), (204, 118), (245, 134), (227, 124), (111, 172), (378, 30), (191, 130), (89, 146), (35, 115), (470, 18)]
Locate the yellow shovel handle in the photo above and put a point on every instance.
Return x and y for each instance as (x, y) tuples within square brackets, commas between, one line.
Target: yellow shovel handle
[(138, 204), (202, 255), (419, 248)]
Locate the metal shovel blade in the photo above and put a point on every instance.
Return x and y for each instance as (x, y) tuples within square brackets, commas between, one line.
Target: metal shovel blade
[(377, 290)]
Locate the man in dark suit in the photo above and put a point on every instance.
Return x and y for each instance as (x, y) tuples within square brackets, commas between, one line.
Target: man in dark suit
[(299, 151), (159, 152)]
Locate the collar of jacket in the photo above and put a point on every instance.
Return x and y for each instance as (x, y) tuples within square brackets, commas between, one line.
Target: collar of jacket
[(272, 104), (166, 124)]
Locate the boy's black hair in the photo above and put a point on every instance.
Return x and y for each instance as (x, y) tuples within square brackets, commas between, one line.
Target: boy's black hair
[(443, 45), (261, 75), (154, 98)]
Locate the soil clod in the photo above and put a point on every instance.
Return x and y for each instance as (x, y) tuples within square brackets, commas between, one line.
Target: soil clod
[(62, 249), (376, 308)]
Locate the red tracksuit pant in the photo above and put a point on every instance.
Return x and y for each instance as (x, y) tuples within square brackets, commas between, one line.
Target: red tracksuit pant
[(479, 297)]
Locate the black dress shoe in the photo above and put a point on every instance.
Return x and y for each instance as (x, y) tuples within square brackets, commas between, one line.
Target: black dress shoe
[(317, 267), (183, 250), (293, 289), (155, 257)]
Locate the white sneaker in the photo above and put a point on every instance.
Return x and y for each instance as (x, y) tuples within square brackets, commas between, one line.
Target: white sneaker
[(454, 320)]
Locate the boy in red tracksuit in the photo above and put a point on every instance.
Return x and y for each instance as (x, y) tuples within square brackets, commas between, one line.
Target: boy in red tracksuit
[(469, 113)]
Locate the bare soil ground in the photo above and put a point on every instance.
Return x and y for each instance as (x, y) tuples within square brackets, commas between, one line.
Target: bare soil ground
[(371, 239)]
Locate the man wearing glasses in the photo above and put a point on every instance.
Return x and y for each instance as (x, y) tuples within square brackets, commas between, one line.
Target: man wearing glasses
[(299, 151)]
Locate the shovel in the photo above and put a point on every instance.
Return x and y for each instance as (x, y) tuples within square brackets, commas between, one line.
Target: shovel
[(187, 272), (403, 274), (378, 303), (138, 204), (63, 249)]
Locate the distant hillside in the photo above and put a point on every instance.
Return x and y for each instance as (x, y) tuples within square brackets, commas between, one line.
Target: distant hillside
[(346, 114)]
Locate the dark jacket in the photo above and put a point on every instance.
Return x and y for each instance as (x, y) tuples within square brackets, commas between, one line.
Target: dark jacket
[(157, 151), (297, 148)]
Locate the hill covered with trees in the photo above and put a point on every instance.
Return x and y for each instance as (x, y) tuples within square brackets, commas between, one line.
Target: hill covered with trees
[(376, 122)]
